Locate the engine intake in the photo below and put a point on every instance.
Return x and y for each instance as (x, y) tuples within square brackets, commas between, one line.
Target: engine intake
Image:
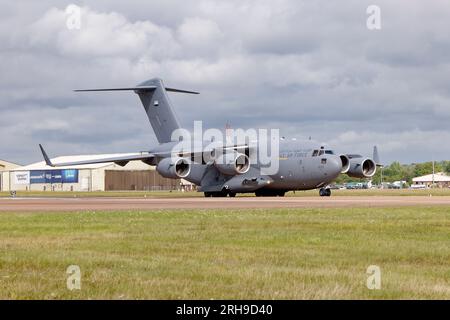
[(345, 163), (362, 168), (174, 168), (232, 164)]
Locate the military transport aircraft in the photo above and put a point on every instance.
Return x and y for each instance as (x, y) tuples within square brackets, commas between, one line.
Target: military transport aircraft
[(302, 165)]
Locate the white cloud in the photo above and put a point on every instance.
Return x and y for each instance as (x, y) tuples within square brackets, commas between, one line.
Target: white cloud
[(102, 35), (199, 37), (310, 68)]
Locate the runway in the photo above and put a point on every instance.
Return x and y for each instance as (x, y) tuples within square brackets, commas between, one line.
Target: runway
[(85, 204)]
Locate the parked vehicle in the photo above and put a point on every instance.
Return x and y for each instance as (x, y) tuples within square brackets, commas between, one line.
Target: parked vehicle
[(418, 186)]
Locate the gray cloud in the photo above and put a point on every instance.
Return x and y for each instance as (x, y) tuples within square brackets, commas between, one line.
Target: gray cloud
[(310, 68)]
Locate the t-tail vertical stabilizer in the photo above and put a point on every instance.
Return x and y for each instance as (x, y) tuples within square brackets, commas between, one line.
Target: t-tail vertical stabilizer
[(157, 105)]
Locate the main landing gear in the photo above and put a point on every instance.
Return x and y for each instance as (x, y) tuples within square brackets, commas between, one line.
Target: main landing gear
[(325, 192)]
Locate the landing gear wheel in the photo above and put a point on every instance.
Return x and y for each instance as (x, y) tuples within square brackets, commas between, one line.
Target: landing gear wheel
[(208, 194), (325, 192), (232, 194)]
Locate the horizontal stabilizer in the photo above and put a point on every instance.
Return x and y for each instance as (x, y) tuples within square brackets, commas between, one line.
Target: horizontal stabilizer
[(181, 91), (155, 100), (141, 88), (138, 89)]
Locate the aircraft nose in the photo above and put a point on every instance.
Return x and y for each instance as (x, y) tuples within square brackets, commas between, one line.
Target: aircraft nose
[(334, 165)]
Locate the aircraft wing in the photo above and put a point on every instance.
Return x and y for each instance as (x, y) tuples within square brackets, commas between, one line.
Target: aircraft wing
[(146, 157), (121, 160), (198, 152), (224, 148)]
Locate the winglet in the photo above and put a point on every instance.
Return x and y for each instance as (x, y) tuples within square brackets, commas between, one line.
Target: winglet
[(46, 158)]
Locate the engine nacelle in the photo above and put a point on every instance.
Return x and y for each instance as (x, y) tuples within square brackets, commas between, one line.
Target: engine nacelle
[(362, 168), (232, 164), (174, 168), (345, 163)]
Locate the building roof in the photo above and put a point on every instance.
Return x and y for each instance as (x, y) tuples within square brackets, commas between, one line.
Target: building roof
[(42, 166), (6, 165), (438, 177)]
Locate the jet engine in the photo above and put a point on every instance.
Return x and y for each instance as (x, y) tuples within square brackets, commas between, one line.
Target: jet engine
[(362, 168), (345, 163), (232, 164), (174, 168)]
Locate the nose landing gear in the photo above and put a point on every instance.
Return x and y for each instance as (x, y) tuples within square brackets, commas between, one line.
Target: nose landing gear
[(325, 192)]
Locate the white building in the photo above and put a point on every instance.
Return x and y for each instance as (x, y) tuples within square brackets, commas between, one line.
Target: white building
[(440, 179), (136, 175), (6, 166)]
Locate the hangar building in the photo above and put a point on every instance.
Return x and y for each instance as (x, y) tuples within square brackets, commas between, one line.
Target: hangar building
[(6, 166), (134, 176), (440, 180)]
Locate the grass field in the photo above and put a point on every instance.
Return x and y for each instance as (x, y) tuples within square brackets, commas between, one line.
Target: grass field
[(173, 194), (214, 254)]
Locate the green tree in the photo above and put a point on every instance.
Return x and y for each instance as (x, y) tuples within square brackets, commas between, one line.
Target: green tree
[(425, 168), (393, 172), (446, 166)]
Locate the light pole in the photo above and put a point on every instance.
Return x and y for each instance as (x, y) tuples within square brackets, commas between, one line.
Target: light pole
[(432, 177)]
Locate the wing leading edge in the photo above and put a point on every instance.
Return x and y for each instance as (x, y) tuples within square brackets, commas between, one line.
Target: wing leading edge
[(120, 160)]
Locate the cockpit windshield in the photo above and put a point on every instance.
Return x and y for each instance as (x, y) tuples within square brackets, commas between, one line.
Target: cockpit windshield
[(321, 152)]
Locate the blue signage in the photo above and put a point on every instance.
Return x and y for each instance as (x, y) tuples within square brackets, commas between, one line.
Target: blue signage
[(53, 176), (69, 176), (37, 176)]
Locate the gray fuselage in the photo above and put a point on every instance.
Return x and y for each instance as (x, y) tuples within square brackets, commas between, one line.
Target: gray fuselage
[(302, 165)]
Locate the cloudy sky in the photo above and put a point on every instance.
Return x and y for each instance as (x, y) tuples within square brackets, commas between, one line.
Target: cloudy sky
[(309, 68)]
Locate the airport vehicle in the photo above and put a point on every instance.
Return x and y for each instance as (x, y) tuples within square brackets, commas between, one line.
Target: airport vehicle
[(418, 186), (226, 168)]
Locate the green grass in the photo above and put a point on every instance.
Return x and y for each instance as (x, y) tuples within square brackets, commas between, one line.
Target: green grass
[(224, 254), (109, 194), (175, 194)]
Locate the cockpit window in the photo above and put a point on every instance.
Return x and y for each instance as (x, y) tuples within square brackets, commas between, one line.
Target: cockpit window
[(329, 152), (315, 153)]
